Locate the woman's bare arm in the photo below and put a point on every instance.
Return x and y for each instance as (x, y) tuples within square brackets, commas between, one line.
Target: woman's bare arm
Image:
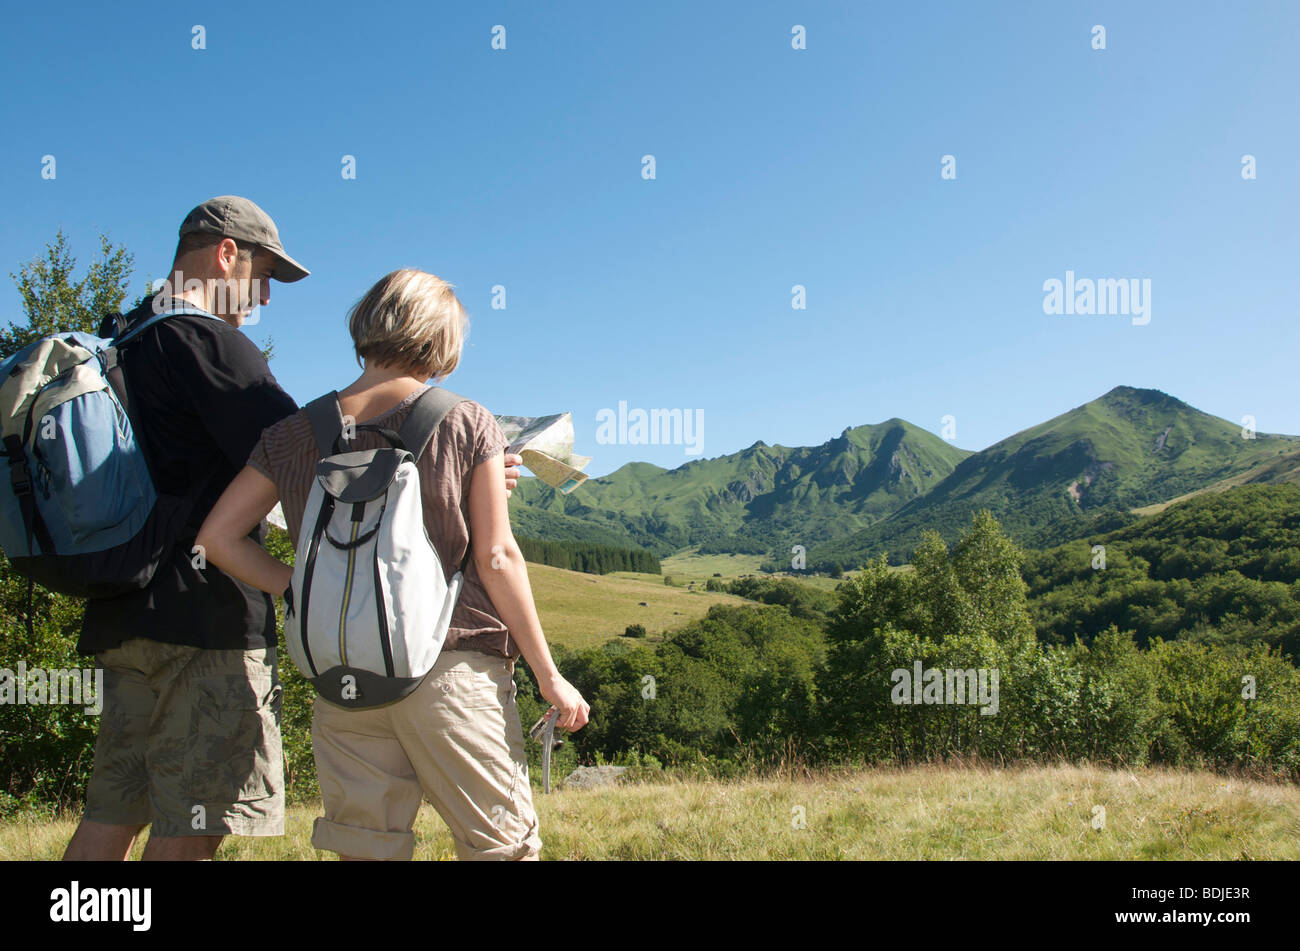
[(501, 567), (224, 540)]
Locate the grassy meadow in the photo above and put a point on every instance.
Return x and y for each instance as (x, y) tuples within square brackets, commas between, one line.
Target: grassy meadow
[(927, 812), (584, 610), (690, 566)]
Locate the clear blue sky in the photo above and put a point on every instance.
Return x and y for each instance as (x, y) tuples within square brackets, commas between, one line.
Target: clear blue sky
[(775, 167)]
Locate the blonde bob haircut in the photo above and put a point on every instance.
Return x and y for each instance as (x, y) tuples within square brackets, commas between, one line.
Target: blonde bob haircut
[(411, 320)]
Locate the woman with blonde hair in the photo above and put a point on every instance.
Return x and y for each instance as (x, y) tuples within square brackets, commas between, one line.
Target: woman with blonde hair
[(456, 739)]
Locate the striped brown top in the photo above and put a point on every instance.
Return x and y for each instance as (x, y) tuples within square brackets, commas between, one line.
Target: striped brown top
[(469, 434)]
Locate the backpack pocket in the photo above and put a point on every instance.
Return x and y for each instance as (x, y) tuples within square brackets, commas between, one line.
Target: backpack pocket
[(93, 484)]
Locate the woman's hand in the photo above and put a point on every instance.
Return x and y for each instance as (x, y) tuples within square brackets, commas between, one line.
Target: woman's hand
[(513, 461), (564, 697)]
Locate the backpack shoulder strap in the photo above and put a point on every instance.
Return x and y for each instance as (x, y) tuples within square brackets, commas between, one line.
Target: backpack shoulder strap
[(326, 421), (426, 415), (142, 326)]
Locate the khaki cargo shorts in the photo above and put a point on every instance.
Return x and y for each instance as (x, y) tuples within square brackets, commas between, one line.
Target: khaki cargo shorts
[(455, 740), (189, 739)]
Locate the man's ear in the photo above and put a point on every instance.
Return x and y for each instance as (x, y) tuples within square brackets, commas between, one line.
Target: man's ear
[(227, 256)]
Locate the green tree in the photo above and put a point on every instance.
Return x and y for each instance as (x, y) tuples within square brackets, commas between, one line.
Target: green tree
[(963, 609), (54, 301)]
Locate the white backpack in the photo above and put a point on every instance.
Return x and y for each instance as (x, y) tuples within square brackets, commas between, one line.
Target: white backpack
[(368, 609)]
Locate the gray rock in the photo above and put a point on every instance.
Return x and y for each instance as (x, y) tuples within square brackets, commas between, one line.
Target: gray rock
[(590, 777)]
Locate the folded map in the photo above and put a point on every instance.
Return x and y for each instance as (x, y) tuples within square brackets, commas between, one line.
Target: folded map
[(545, 443)]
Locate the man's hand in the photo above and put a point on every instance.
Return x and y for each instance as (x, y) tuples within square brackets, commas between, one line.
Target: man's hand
[(513, 462)]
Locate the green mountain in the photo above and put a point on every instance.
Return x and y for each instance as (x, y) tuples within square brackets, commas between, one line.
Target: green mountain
[(875, 489), (1081, 472), (757, 500)]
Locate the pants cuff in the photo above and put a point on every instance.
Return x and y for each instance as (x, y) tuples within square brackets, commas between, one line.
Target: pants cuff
[(221, 825), (530, 848), (356, 842)]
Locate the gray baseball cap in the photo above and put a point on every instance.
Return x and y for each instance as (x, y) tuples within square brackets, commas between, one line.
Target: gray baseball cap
[(233, 217)]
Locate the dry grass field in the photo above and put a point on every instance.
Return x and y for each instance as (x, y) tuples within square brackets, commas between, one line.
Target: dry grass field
[(1043, 812)]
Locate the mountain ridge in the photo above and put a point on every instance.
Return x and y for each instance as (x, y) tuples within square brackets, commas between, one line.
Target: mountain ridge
[(875, 487)]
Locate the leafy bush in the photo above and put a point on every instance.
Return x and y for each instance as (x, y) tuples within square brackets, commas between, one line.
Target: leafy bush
[(802, 600), (1180, 703), (47, 749)]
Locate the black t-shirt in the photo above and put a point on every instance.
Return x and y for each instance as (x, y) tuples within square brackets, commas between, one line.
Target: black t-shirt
[(201, 394)]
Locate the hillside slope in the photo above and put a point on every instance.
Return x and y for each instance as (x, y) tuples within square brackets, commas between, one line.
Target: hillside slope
[(581, 610), (1221, 566)]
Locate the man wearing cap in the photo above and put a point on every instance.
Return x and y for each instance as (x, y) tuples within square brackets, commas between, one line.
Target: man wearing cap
[(189, 736)]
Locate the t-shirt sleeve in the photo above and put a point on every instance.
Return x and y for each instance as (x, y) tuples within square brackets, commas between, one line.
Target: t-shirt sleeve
[(260, 458), (487, 438), (227, 383)]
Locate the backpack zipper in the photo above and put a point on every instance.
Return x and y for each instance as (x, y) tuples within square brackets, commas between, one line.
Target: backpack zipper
[(358, 513)]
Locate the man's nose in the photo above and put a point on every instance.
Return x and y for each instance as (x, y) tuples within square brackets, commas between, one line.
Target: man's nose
[(266, 291)]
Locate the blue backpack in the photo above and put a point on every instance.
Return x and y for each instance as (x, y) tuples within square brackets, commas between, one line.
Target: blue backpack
[(79, 513)]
